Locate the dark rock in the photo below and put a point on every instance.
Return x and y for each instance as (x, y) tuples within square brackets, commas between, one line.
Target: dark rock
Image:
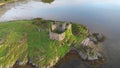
[(100, 37), (93, 39), (82, 55), (18, 62), (29, 60), (99, 55), (36, 66), (33, 64), (92, 58)]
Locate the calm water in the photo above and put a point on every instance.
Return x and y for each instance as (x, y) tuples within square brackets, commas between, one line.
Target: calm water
[(99, 16)]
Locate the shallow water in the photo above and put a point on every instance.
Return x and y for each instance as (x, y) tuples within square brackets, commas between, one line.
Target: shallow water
[(99, 16)]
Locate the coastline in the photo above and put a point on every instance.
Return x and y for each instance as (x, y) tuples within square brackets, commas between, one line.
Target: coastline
[(7, 2), (74, 36)]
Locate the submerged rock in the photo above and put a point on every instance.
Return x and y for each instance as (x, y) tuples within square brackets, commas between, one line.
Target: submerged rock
[(88, 56), (100, 37)]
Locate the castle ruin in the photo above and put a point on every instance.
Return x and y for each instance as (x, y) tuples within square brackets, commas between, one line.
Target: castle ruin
[(58, 29)]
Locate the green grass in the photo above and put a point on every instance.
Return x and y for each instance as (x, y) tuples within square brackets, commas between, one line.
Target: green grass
[(47, 1), (2, 2), (23, 38), (6, 1), (3, 51)]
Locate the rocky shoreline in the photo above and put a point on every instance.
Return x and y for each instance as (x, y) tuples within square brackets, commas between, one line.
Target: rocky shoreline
[(90, 48), (95, 60)]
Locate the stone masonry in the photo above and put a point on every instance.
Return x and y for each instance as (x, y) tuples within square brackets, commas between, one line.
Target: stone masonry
[(61, 28)]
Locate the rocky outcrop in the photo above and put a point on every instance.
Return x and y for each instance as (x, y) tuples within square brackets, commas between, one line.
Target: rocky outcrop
[(88, 49), (100, 37), (89, 56)]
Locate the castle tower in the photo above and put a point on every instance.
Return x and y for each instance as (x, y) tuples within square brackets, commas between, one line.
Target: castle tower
[(58, 30)]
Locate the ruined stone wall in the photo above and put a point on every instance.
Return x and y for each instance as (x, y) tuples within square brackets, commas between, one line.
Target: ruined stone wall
[(59, 26), (55, 36), (53, 27), (68, 26)]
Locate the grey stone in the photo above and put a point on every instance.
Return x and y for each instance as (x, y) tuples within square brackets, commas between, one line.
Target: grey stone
[(100, 37), (82, 55), (18, 62), (36, 66), (38, 29), (33, 64), (99, 55), (29, 60), (92, 57), (93, 39)]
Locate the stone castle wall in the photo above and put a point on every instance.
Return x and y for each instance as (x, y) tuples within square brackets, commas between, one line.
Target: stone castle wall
[(59, 36), (55, 36)]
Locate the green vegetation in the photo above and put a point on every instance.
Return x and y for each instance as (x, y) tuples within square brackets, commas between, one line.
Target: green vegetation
[(6, 0), (2, 2), (21, 39), (47, 1), (79, 30)]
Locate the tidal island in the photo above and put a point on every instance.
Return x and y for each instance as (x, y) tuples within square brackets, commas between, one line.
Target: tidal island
[(42, 43)]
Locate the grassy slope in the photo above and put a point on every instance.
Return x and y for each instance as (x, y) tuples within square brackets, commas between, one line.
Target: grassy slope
[(2, 2), (15, 43), (22, 37)]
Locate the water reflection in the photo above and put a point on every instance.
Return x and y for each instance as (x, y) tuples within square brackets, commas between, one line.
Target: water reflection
[(100, 16)]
